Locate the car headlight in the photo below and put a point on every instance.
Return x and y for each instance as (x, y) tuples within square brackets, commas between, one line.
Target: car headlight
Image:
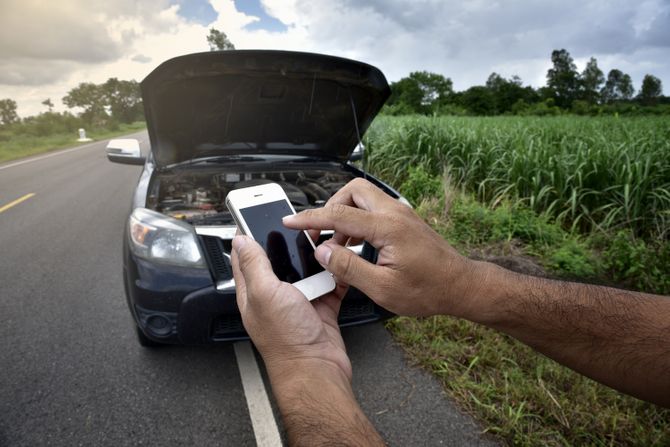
[(157, 237)]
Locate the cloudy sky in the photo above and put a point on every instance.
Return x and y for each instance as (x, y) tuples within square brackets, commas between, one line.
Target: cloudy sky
[(46, 48)]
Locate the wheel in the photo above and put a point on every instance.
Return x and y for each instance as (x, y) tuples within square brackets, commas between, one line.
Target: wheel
[(145, 341)]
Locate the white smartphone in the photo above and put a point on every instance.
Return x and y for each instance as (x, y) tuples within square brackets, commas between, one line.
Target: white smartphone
[(258, 212)]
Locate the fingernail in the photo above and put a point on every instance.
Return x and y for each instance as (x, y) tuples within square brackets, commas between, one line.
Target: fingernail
[(239, 242), (288, 218), (322, 254)]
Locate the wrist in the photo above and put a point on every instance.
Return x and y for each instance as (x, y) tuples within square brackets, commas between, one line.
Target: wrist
[(318, 406), (295, 383), (483, 293), (290, 374)]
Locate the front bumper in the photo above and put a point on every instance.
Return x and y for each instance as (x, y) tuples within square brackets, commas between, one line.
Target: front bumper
[(179, 305)]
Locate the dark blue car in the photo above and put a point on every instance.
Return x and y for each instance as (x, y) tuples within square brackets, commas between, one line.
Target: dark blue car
[(224, 120)]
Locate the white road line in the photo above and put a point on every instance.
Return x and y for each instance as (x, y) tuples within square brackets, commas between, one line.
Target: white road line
[(260, 411)]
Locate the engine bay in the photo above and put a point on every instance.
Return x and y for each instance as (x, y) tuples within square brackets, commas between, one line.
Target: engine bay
[(198, 197)]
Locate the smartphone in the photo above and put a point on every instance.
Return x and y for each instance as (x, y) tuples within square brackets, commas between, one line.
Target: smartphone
[(258, 212)]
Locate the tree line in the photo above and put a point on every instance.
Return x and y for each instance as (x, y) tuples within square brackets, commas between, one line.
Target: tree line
[(589, 92), (566, 90), (103, 105)]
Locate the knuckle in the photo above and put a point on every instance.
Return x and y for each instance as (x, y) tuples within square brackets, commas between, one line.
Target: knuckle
[(359, 182), (306, 214), (338, 210)]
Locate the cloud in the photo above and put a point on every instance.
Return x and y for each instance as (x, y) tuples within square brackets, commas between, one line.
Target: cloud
[(141, 58), (74, 31), (70, 41), (31, 72)]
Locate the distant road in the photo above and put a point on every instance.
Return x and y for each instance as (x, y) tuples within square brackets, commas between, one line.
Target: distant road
[(71, 371)]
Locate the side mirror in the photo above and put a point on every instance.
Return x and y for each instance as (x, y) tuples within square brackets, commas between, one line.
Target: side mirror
[(125, 150), (357, 154)]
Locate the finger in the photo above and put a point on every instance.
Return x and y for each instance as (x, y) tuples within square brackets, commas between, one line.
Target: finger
[(361, 194), (314, 235), (350, 268), (350, 221), (340, 239), (254, 266), (355, 241)]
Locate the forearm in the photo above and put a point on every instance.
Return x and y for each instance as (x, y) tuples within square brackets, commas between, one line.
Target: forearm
[(318, 406), (617, 337)]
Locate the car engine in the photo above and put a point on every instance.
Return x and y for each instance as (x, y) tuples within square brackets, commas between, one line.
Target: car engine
[(199, 197)]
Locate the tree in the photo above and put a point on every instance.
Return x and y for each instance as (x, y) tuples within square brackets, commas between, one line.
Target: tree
[(421, 92), (123, 99), (47, 102), (651, 90), (619, 86), (563, 78), (626, 87), (478, 100), (406, 95), (91, 98), (591, 79), (506, 92), (8, 111), (218, 41), (435, 88)]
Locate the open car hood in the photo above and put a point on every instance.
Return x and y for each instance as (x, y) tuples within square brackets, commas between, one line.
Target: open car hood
[(259, 102)]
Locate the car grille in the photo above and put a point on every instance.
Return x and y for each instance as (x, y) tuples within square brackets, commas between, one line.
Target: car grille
[(356, 310), (226, 327), (217, 258)]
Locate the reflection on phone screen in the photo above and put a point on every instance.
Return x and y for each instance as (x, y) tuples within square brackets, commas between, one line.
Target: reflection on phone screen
[(289, 250)]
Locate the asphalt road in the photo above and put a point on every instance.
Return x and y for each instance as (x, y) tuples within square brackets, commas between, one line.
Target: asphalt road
[(71, 371)]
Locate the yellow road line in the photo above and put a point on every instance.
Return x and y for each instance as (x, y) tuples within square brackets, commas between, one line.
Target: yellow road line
[(16, 202)]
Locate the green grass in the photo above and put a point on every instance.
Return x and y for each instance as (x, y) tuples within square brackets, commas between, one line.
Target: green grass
[(587, 199), (13, 146), (522, 397), (518, 395), (589, 173)]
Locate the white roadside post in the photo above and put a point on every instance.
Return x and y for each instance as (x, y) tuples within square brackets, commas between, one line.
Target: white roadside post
[(82, 136)]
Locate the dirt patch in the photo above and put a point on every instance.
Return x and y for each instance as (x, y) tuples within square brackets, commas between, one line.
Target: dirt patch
[(509, 255)]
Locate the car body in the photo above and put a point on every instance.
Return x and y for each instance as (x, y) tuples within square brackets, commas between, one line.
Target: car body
[(224, 120)]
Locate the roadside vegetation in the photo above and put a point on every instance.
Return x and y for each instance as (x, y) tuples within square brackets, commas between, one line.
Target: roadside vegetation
[(572, 197), (105, 110), (606, 179), (17, 143)]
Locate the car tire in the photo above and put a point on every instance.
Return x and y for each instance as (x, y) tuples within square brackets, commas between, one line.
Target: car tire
[(145, 341)]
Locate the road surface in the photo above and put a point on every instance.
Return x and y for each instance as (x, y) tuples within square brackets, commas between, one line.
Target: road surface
[(71, 371)]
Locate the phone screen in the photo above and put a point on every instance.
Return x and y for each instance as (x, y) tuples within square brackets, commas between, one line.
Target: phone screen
[(289, 250)]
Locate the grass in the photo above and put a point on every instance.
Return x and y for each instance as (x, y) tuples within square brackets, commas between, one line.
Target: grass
[(588, 173), (520, 396), (13, 146), (584, 198)]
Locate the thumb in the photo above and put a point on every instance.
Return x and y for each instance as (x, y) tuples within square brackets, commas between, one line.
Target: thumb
[(253, 263), (350, 268)]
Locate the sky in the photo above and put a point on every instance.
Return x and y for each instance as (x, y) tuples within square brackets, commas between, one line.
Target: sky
[(47, 48)]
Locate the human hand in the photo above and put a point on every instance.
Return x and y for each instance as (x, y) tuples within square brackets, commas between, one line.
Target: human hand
[(417, 271), (286, 328)]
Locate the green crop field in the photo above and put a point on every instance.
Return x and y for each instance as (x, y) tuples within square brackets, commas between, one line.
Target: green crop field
[(587, 198), (589, 173)]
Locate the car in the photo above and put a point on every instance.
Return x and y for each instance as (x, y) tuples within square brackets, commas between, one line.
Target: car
[(223, 120)]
